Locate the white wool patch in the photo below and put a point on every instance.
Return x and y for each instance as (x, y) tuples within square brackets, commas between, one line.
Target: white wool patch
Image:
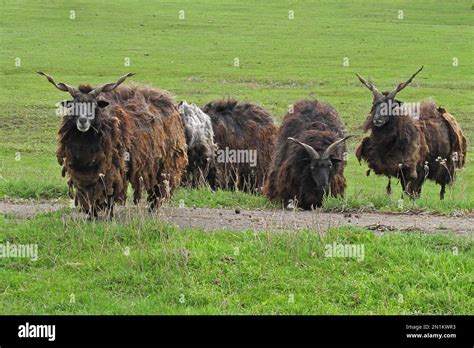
[(198, 128)]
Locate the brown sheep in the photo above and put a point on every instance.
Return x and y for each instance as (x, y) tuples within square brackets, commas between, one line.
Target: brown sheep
[(244, 134), (309, 159), (412, 142), (111, 135)]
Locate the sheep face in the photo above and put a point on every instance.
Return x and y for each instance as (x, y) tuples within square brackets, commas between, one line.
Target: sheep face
[(84, 110), (321, 167), (383, 110), (322, 171)]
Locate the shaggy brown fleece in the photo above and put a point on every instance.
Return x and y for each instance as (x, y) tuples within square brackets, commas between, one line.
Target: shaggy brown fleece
[(241, 126), (317, 125), (412, 149), (140, 139)]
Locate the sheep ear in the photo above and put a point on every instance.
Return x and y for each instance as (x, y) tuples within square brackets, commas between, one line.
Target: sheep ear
[(335, 159)]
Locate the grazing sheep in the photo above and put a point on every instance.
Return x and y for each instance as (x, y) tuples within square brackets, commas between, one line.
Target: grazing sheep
[(308, 163), (412, 142), (201, 146), (244, 133), (111, 135)]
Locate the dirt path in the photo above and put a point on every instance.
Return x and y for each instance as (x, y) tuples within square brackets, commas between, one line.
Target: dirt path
[(214, 219), (263, 220)]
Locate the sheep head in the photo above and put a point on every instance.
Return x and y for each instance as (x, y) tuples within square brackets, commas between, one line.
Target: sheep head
[(321, 166), (85, 101), (383, 104)]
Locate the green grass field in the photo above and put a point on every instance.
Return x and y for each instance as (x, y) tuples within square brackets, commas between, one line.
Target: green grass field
[(143, 267), (281, 61)]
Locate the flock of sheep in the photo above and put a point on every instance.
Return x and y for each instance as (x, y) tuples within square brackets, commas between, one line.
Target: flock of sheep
[(113, 135)]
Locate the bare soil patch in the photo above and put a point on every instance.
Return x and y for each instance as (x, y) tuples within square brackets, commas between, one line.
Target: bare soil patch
[(209, 219)]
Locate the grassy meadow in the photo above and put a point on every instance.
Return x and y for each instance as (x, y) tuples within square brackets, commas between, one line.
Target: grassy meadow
[(281, 61), (272, 53), (144, 267)]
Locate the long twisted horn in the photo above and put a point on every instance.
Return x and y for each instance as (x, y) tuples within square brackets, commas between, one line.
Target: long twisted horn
[(313, 154), (61, 86), (377, 94), (109, 86), (328, 150), (402, 85)]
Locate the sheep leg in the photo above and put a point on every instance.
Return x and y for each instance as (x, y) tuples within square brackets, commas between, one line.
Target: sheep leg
[(411, 183), (416, 184), (154, 198), (110, 208), (151, 201), (407, 188), (414, 188), (211, 178), (388, 189), (402, 183), (137, 194), (442, 192), (111, 211), (411, 189), (419, 185), (418, 191), (92, 213)]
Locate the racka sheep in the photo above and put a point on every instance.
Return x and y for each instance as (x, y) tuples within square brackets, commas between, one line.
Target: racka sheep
[(309, 158), (244, 134), (116, 134), (411, 141)]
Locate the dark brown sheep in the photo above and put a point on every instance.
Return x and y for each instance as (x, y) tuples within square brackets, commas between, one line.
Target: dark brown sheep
[(131, 134), (308, 163), (412, 142), (244, 134)]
